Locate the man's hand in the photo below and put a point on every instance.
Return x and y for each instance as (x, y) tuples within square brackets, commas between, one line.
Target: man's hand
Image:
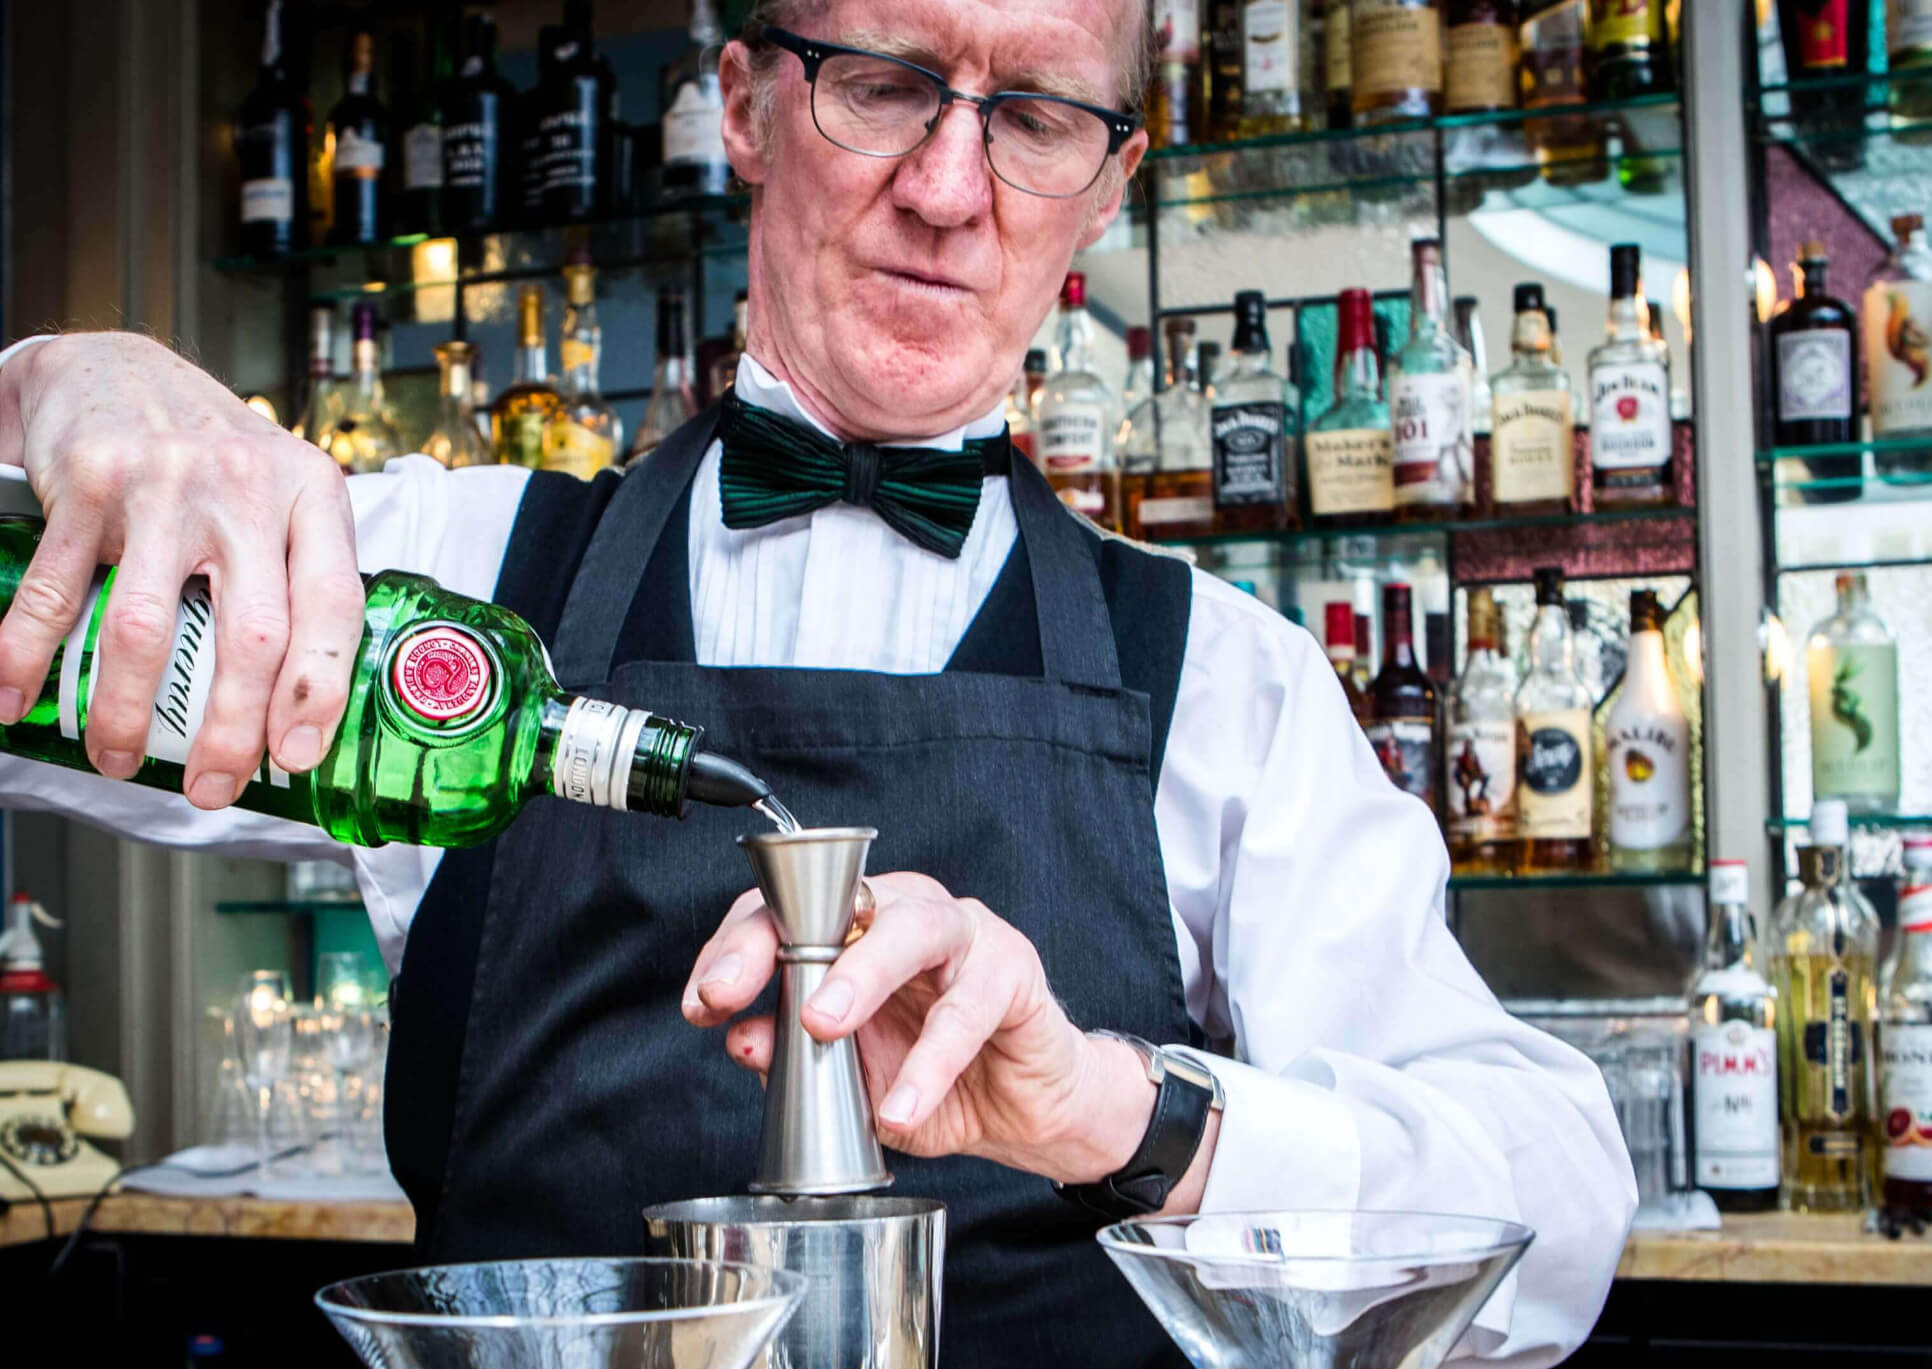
[(965, 1048), (141, 459)]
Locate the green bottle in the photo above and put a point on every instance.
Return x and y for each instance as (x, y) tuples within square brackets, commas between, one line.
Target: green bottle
[(1851, 659), (454, 721)]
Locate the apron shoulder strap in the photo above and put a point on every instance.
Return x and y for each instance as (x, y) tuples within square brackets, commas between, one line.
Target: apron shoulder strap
[(1076, 632)]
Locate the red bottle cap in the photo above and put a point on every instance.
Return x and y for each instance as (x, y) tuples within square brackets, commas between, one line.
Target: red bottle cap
[(1339, 625), (1140, 343), (1357, 320)]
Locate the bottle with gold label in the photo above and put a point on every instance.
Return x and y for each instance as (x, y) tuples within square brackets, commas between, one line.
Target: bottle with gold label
[(585, 432), (520, 418), (455, 441), (1397, 59), (1629, 49), (1351, 460), (1555, 772), (1272, 40), (1481, 62), (1532, 429)]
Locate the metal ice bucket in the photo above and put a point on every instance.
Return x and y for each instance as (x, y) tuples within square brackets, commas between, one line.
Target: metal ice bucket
[(872, 1268)]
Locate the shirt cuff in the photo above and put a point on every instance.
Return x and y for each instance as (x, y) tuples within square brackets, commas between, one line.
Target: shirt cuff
[(1285, 1143)]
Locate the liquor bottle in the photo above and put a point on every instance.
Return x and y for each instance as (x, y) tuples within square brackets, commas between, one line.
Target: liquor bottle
[(1905, 1041), (1338, 632), (1364, 650), (1438, 655), (1254, 457), (1174, 100), (575, 124), (358, 130), (520, 418), (1481, 64), (1079, 418), (361, 436), (1402, 723), (1035, 370), (1019, 419), (419, 126), (1429, 400), (1338, 64), (1531, 455), (1396, 59), (724, 367), (454, 440), (1851, 663), (454, 723), (1898, 352), (1467, 313), (1272, 97), (672, 404), (1734, 1055), (1824, 940), (1139, 384), (533, 153), (585, 433), (1814, 378), (1908, 42), (1224, 107), (693, 104), (1827, 41), (1570, 149), (272, 131), (478, 119), (323, 401), (1351, 462), (1481, 760), (1647, 739), (1176, 494), (1207, 368), (1629, 49), (1555, 778), (1631, 453)]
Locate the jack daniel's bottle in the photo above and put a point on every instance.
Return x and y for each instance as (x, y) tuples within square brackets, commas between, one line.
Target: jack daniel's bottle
[(1254, 465), (454, 723)]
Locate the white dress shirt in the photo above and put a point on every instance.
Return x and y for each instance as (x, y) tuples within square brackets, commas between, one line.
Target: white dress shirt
[(1376, 1070)]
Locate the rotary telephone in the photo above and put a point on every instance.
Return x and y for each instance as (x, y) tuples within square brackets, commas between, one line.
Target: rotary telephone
[(45, 1109)]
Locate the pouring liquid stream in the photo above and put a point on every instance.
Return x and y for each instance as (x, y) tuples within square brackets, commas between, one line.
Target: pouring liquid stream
[(777, 814)]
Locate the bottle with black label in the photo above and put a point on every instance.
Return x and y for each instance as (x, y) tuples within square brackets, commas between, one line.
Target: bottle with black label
[(1814, 379), (533, 161), (1733, 1074), (419, 122), (1403, 717), (1630, 432), (1555, 774), (1254, 462), (575, 126), (476, 134), (271, 141), (694, 151), (359, 132)]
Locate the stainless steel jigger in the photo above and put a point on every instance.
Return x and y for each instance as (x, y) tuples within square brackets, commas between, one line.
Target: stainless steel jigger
[(819, 1136)]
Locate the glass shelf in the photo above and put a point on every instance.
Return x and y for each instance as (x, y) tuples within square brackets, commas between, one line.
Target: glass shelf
[(1399, 531), (1876, 447), (1602, 879), (286, 906), (1777, 826)]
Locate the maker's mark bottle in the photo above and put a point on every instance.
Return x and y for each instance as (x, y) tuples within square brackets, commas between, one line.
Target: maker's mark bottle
[(454, 721)]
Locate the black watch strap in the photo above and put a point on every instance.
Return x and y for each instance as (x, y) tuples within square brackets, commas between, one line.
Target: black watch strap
[(1187, 1094)]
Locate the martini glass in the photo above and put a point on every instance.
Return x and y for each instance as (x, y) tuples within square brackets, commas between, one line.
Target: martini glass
[(1296, 1290), (564, 1314)]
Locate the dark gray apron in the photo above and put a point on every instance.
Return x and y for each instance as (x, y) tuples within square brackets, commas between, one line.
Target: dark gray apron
[(582, 1095)]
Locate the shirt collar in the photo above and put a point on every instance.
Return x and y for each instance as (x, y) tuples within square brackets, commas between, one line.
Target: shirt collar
[(756, 385)]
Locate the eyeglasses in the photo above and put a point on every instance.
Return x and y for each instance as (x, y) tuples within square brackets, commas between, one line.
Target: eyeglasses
[(880, 106)]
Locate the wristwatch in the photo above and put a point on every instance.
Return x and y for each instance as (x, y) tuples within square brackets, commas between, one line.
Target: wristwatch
[(1188, 1093)]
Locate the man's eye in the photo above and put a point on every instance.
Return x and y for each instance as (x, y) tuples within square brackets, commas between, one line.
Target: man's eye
[(881, 94)]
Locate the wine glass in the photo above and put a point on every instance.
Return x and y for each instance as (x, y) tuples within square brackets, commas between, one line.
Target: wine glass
[(265, 1040), (348, 1042), (341, 980)]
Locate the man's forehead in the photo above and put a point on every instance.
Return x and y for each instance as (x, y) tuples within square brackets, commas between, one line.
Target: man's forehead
[(1072, 43)]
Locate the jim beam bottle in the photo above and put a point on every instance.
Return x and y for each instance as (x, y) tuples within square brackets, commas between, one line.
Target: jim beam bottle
[(1481, 760), (1555, 778), (1630, 436), (1648, 738), (1905, 1042), (1397, 59), (1734, 1055), (1532, 455), (1351, 462), (1402, 706), (1254, 465)]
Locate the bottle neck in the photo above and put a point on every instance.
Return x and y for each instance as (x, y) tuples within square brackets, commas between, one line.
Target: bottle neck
[(1627, 322), (1529, 341), (1427, 304), (1853, 598), (1732, 941), (1814, 278), (1400, 650), (1551, 647), (1358, 375), (272, 42), (358, 82), (1076, 338), (368, 363), (455, 383), (533, 367), (583, 351), (600, 753)]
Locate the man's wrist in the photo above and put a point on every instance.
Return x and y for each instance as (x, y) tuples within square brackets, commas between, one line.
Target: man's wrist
[(1109, 1111)]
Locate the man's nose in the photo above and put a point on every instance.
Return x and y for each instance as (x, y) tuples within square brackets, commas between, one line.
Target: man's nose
[(946, 181)]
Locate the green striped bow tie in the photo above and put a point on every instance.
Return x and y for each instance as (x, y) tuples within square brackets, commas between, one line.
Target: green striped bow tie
[(776, 468)]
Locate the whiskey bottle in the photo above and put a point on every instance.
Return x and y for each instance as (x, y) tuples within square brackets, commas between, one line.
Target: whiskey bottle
[(272, 131), (585, 434), (1814, 343), (1532, 461), (1898, 352), (419, 93), (1824, 940), (1629, 52), (455, 440), (1481, 62), (1338, 64), (361, 435), (1254, 461), (1555, 779), (1474, 352), (1140, 383), (1402, 707), (1481, 761), (1397, 59), (1351, 463), (1733, 1077), (1630, 436), (520, 418), (1175, 497), (1079, 418), (1272, 98), (1647, 737), (1225, 106), (1338, 633), (1174, 101), (477, 130), (672, 403), (1851, 665), (693, 104), (1019, 418), (1905, 1041), (358, 131), (1570, 148), (1429, 401), (454, 723)]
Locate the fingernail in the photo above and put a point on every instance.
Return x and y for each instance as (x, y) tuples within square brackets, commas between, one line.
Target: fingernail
[(302, 748), (213, 789), (118, 765), (692, 1005), (833, 1000), (13, 705), (726, 971), (898, 1105)]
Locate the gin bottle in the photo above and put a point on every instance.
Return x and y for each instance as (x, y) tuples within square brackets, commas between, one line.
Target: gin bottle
[(1630, 435), (1531, 452), (1905, 1041), (1648, 740), (1814, 378), (1851, 665), (454, 722), (1555, 775), (1898, 352), (1733, 1074), (1351, 470), (1429, 399), (1080, 418), (1481, 760)]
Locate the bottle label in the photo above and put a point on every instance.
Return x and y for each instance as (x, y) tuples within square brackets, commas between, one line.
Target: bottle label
[(1177, 31), (1427, 416), (1072, 437), (520, 440), (1532, 451), (441, 673), (1407, 749), (1338, 57), (574, 353), (469, 154), (1854, 719), (1482, 779), (1814, 374), (577, 450), (268, 200), (1269, 41), (1649, 782), (357, 156), (1908, 25), (1734, 1092), (1905, 1091), (1481, 70), (1159, 514), (1630, 416), (1621, 23), (1824, 38), (1898, 356), (567, 145), (423, 158), (694, 128), (1835, 1045), (1398, 47), (1351, 471), (1249, 453), (1553, 777)]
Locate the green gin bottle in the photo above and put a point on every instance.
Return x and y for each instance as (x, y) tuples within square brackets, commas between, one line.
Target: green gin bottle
[(1851, 659), (454, 722)]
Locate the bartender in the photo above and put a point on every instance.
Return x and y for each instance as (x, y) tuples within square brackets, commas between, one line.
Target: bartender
[(1126, 803)]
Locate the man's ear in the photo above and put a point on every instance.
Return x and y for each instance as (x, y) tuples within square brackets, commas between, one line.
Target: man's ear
[(744, 141), (1104, 209)]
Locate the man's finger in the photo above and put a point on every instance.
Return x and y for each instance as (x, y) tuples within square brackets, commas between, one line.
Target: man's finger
[(46, 603), (325, 611), (907, 938), (734, 966), (956, 1027), (250, 602), (136, 640)]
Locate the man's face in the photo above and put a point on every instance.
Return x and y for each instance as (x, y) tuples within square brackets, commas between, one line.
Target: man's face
[(898, 295)]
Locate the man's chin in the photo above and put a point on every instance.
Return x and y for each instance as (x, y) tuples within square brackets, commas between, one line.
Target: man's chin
[(921, 385)]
